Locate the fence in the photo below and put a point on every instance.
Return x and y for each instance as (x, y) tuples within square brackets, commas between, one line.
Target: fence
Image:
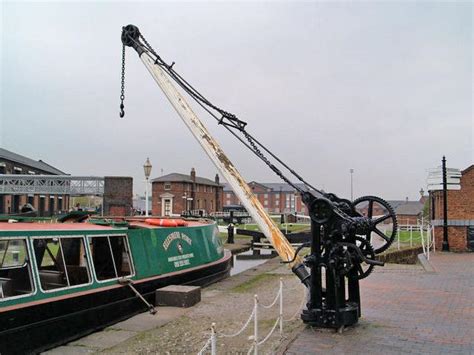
[(211, 343), (424, 234)]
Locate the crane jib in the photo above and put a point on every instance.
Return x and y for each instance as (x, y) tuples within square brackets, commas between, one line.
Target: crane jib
[(218, 157)]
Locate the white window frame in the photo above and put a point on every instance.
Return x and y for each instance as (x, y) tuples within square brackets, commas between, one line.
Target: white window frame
[(132, 264), (32, 273), (88, 257)]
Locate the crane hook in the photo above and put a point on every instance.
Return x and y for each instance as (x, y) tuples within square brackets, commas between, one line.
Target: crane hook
[(122, 112)]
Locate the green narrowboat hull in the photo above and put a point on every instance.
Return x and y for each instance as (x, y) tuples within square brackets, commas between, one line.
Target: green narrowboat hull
[(155, 257)]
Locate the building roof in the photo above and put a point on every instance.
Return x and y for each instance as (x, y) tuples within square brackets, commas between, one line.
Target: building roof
[(274, 186), (412, 208), (469, 168), (176, 177), (40, 165)]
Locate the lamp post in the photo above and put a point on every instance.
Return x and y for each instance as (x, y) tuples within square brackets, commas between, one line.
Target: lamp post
[(352, 185), (147, 170)]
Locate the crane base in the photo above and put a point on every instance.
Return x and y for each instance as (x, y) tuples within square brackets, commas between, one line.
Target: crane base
[(328, 318)]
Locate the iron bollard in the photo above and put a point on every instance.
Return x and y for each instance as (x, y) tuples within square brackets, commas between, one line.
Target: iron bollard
[(230, 234)]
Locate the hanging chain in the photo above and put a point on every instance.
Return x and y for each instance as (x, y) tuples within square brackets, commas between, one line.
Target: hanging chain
[(122, 92)]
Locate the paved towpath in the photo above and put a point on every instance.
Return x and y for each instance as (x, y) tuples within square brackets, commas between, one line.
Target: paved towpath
[(407, 310)]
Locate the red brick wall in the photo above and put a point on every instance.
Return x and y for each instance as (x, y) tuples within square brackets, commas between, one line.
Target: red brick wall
[(206, 197), (407, 219), (461, 202), (460, 207), (457, 238)]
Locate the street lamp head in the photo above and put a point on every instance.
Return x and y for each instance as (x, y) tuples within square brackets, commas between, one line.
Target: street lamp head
[(351, 171), (147, 168)]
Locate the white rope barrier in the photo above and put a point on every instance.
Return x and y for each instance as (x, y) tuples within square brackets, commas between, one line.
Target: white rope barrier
[(270, 333), (212, 341), (204, 348), (298, 310), (222, 335), (274, 301)]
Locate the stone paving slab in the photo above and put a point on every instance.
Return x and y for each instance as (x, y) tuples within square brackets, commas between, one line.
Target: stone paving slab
[(70, 350), (407, 312), (104, 339), (147, 321)]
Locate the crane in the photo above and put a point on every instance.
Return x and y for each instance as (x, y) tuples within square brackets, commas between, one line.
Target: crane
[(344, 240)]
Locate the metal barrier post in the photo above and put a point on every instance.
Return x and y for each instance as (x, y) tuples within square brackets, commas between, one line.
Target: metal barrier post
[(255, 326), (398, 238), (428, 237), (213, 339), (281, 306), (411, 235)]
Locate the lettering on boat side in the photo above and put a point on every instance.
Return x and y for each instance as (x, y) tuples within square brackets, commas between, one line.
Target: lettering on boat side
[(181, 260), (174, 236)]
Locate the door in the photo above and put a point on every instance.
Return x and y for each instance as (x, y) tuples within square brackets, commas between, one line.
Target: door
[(470, 238), (16, 204), (41, 206), (167, 207)]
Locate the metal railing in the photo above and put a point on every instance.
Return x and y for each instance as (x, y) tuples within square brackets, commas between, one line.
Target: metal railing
[(51, 184)]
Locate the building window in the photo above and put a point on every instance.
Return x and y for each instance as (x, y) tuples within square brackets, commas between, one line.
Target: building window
[(15, 269), (228, 202), (167, 186), (61, 262), (265, 202), (111, 257), (265, 195), (227, 195)]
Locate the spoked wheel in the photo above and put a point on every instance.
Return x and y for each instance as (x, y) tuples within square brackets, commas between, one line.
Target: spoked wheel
[(362, 268), (382, 219)]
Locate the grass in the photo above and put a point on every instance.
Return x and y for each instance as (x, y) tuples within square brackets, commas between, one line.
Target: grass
[(248, 285), (405, 237)]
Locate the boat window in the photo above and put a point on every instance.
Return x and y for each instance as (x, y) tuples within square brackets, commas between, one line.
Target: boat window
[(111, 257), (62, 262), (15, 269)]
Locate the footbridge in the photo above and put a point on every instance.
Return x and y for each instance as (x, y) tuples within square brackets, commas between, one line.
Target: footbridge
[(11, 184)]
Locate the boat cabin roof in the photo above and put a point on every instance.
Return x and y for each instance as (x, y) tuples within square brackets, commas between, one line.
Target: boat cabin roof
[(53, 227), (78, 228)]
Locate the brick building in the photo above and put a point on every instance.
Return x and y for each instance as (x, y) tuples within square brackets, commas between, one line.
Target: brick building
[(12, 163), (175, 193), (274, 197), (460, 214)]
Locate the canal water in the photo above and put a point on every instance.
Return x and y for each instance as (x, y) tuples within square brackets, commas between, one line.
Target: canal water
[(249, 259)]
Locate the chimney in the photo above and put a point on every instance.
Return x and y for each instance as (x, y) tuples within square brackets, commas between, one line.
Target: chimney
[(193, 175), (216, 179), (406, 199)]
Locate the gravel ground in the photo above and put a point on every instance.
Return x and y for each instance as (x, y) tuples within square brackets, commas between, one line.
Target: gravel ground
[(229, 304)]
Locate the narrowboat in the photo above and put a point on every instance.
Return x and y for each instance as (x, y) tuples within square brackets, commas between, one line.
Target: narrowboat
[(61, 281)]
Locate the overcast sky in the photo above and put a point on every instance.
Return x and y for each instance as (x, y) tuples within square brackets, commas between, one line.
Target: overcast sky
[(384, 88)]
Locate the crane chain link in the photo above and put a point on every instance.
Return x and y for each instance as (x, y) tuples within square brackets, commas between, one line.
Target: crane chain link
[(122, 92), (236, 123)]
